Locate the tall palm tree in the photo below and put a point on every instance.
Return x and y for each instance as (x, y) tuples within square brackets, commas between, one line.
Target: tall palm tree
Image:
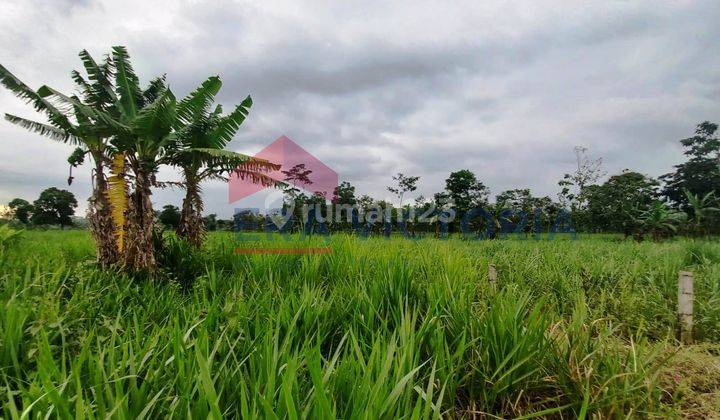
[(702, 208), (83, 132), (201, 135)]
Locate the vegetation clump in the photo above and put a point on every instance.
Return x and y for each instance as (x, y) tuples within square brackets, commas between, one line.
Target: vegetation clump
[(129, 132)]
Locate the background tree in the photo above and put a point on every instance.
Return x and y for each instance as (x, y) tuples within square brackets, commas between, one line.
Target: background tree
[(659, 220), (425, 215), (170, 216), (465, 191), (246, 220), (298, 174), (297, 177), (515, 200), (703, 208), (365, 202), (210, 222), (588, 172), (344, 194), (403, 185), (615, 205), (441, 199), (521, 202), (701, 173), (22, 210), (54, 207)]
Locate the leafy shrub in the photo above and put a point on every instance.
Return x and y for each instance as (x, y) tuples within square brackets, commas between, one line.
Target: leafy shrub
[(178, 260), (8, 237), (510, 351)]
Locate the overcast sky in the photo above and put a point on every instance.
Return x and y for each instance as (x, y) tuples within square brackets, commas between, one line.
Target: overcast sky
[(505, 90)]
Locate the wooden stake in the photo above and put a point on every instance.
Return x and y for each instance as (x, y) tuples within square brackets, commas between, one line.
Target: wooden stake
[(685, 306), (492, 276)]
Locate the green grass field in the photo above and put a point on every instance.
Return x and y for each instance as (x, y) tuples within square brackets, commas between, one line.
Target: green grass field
[(376, 329)]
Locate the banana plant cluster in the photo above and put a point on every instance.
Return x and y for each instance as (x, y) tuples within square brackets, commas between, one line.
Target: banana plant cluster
[(129, 133)]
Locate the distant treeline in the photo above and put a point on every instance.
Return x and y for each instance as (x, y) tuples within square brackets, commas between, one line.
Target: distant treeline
[(683, 201)]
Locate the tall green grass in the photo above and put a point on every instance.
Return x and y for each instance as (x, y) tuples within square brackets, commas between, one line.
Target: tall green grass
[(376, 329)]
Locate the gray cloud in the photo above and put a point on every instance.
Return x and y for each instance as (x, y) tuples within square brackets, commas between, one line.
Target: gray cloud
[(504, 90)]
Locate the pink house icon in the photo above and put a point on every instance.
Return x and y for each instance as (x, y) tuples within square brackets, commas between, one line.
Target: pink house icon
[(288, 154)]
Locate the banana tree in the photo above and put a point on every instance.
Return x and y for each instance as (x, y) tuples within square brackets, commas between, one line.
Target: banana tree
[(134, 131), (659, 220), (702, 207), (70, 126), (201, 135), (140, 125), (143, 127), (152, 129)]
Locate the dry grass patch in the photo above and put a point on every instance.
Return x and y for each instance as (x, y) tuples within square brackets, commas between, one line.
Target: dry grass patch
[(691, 381)]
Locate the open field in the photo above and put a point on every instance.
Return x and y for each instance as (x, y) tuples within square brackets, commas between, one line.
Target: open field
[(167, 250), (376, 329)]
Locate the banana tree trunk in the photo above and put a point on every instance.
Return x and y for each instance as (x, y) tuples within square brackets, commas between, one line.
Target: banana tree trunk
[(100, 218), (139, 251), (191, 225)]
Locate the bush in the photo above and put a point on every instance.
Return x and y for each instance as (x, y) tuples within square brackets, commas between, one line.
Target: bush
[(177, 259), (8, 238)]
